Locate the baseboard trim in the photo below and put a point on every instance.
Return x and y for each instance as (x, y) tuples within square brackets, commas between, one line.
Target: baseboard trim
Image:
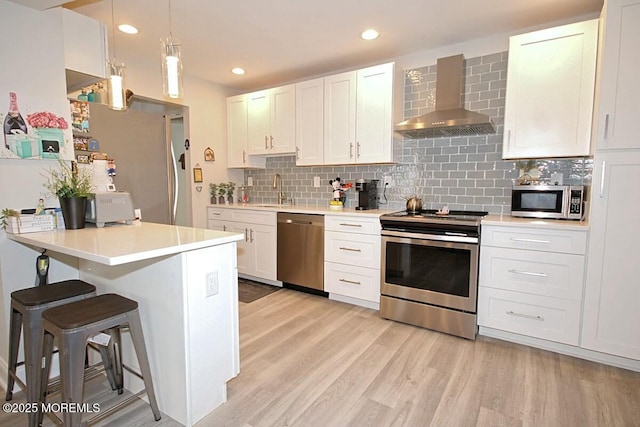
[(261, 280), (355, 301), (569, 350)]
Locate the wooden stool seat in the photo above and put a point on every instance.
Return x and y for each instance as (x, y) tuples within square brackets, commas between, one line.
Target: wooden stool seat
[(86, 312), (27, 306), (73, 325)]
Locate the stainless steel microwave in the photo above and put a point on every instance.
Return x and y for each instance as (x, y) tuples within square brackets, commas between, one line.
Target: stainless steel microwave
[(548, 201)]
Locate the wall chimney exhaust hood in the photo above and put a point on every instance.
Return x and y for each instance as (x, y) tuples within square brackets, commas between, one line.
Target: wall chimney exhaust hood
[(448, 118)]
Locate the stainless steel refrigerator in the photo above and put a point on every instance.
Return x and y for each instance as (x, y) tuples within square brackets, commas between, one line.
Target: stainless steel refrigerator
[(146, 147)]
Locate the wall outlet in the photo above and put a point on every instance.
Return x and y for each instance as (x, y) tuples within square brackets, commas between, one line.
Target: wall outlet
[(388, 181), (212, 284), (316, 181), (250, 181)]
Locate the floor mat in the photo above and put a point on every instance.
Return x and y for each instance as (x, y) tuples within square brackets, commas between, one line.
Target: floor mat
[(249, 291)]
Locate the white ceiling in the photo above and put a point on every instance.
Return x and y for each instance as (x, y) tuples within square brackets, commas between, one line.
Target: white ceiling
[(280, 41)]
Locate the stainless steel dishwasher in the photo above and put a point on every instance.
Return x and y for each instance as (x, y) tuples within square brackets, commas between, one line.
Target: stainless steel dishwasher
[(301, 250)]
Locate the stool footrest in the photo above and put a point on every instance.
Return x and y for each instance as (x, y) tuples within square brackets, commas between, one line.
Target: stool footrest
[(90, 373)]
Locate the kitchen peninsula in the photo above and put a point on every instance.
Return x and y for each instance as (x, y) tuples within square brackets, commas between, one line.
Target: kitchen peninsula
[(185, 281)]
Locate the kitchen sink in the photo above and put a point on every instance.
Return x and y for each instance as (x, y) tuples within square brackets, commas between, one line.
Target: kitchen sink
[(273, 205)]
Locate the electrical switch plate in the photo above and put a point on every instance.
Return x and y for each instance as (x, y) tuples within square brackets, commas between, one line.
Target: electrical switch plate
[(316, 181), (212, 283), (250, 181)]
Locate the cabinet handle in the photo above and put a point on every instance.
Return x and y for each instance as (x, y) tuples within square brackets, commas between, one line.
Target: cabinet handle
[(271, 142), (527, 273), (246, 234), (526, 316), (342, 248), (350, 225), (244, 157), (357, 150), (349, 281), (515, 239), (266, 142), (606, 128), (297, 153), (604, 165), (251, 234), (509, 138), (350, 149), (224, 228)]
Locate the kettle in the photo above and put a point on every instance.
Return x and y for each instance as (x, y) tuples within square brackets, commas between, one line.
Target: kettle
[(414, 204)]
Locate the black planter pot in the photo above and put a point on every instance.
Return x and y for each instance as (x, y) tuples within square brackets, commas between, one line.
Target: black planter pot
[(73, 210)]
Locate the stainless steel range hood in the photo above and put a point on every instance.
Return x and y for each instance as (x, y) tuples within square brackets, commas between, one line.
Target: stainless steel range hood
[(448, 118)]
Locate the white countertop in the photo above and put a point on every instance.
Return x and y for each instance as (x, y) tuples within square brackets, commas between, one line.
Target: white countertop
[(320, 210), (512, 221), (120, 244)]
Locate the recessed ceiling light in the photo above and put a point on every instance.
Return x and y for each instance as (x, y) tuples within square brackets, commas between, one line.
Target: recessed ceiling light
[(238, 71), (129, 29), (370, 34)]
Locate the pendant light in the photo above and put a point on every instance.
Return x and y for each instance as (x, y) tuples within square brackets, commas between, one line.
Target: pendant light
[(115, 75), (171, 65)]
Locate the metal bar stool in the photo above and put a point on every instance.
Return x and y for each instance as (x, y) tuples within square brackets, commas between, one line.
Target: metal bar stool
[(27, 306), (72, 326)]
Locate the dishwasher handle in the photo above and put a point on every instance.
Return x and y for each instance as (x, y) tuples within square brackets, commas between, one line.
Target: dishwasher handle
[(292, 221)]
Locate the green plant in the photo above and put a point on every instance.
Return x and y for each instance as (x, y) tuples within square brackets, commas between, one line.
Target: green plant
[(5, 215), (231, 186), (213, 189), (222, 189), (68, 181)]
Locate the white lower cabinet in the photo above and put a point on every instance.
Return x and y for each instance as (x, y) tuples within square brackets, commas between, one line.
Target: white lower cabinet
[(257, 251), (531, 281), (352, 259)]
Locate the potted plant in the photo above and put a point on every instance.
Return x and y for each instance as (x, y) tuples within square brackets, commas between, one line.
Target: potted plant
[(213, 191), (5, 215), (71, 185), (222, 190), (231, 186)]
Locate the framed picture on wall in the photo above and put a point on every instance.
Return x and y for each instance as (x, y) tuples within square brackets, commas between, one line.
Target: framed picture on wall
[(197, 174), (209, 155), (82, 159)]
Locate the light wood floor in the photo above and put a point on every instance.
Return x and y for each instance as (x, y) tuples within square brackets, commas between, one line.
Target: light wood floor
[(307, 361)]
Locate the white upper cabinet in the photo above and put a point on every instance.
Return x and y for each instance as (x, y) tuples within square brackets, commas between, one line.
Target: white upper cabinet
[(238, 156), (271, 121), (85, 49), (618, 91), (550, 90), (309, 122), (361, 108), (340, 118)]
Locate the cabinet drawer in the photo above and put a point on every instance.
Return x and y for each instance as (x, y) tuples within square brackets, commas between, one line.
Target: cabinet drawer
[(565, 241), (540, 273), (253, 217), (350, 281), (353, 249), (547, 318), (352, 224), (213, 224), (218, 213)]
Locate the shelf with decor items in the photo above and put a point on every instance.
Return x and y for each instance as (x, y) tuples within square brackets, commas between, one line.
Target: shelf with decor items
[(549, 95)]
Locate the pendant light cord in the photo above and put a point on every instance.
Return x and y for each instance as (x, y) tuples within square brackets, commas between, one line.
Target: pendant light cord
[(170, 24), (113, 32)]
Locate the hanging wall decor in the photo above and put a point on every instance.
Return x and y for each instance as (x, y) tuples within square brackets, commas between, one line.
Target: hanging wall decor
[(209, 155)]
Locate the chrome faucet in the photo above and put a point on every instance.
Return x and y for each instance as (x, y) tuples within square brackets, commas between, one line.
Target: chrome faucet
[(277, 183)]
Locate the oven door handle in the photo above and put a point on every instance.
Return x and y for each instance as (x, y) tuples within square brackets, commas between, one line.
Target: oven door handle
[(448, 237)]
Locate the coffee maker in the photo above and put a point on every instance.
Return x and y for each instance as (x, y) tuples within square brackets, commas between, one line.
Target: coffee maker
[(367, 194)]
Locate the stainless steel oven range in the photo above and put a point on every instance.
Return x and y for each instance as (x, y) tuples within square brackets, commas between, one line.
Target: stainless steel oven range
[(430, 269)]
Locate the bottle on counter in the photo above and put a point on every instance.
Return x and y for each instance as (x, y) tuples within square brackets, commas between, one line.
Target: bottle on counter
[(83, 95), (91, 96), (99, 94), (13, 121), (243, 197)]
